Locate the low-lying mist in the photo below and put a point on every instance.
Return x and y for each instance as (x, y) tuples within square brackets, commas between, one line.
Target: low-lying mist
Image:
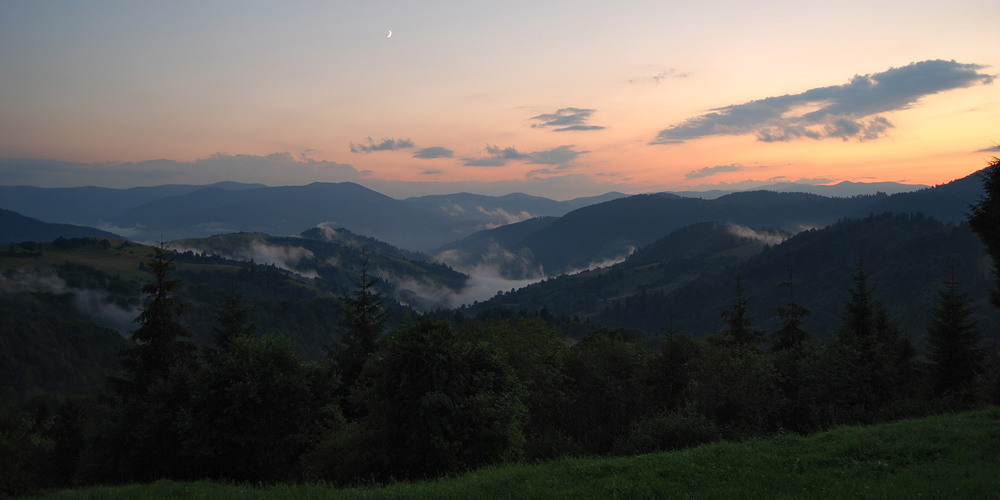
[(92, 303)]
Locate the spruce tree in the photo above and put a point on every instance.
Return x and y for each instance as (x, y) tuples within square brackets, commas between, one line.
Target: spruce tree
[(984, 218), (233, 319), (791, 333), (875, 356), (154, 392), (740, 329), (159, 344), (363, 319), (954, 344)]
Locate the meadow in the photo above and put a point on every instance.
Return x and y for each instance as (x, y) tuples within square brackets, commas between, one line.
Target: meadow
[(942, 456)]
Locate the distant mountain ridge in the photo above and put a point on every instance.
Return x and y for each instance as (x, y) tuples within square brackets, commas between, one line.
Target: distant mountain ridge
[(15, 227), (180, 211), (611, 230), (843, 189)]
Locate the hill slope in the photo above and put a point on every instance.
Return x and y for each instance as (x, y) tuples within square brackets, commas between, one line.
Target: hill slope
[(611, 230), (945, 456), (688, 278), (15, 227)]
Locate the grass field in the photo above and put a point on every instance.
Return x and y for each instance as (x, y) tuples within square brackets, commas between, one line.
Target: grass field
[(946, 456)]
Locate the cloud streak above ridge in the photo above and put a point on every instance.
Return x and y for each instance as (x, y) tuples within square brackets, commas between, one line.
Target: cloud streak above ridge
[(849, 111)]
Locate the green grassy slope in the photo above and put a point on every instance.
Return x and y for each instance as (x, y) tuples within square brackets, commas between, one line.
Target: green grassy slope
[(947, 456)]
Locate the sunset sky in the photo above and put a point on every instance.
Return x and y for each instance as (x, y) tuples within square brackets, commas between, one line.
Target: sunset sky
[(559, 99)]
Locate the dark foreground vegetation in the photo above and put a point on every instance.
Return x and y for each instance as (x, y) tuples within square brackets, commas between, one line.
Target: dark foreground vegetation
[(439, 395), (945, 456)]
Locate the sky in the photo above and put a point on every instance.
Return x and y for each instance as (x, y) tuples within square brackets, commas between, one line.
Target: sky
[(559, 99)]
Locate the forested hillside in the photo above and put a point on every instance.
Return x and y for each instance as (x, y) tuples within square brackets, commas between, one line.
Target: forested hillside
[(308, 367), (684, 281), (613, 229), (293, 293)]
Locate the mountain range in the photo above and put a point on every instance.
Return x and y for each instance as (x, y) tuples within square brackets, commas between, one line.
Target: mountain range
[(658, 263), (424, 223), (182, 211), (608, 232)]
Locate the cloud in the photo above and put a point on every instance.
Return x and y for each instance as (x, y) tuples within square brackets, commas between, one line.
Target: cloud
[(767, 236), (502, 217), (991, 149), (496, 157), (383, 145), (848, 111), (709, 171), (657, 78), (434, 152), (556, 156), (97, 304), (566, 119), (433, 171)]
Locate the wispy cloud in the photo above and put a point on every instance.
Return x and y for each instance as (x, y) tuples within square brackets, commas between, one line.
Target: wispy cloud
[(710, 171), (556, 156), (659, 77), (991, 149), (434, 152), (848, 111), (383, 145), (433, 171), (565, 120), (496, 156)]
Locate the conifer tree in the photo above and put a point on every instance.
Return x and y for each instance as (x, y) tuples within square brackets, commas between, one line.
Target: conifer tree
[(791, 333), (874, 353), (159, 343), (154, 391), (740, 329), (984, 218), (363, 319), (233, 319), (954, 344)]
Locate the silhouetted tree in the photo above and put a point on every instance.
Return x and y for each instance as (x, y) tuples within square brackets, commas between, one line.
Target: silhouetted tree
[(154, 390), (250, 412), (440, 403), (233, 319), (159, 343), (791, 333), (872, 353), (739, 323), (954, 345), (536, 351), (607, 371), (984, 218), (363, 319)]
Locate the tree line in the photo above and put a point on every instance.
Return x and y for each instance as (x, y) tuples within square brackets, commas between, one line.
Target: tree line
[(441, 394)]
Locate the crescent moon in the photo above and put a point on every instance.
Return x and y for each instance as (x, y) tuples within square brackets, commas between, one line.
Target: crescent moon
[(389, 35)]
